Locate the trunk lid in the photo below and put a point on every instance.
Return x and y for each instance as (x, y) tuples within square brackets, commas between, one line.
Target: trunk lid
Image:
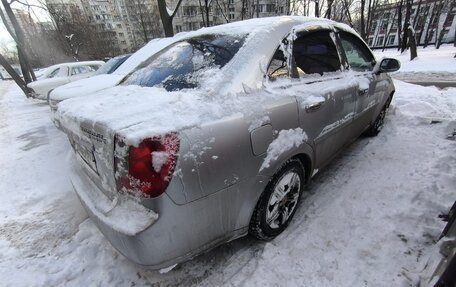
[(131, 113)]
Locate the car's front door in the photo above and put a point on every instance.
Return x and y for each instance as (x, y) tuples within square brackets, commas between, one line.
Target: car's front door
[(369, 95)]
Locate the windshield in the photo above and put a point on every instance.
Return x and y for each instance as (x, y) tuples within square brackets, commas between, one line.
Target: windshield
[(184, 64), (111, 65)]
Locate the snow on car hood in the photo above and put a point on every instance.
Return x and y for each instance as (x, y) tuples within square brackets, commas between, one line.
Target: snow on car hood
[(85, 86)]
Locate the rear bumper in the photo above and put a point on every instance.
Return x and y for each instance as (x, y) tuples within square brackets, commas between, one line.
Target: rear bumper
[(154, 241), (56, 122)]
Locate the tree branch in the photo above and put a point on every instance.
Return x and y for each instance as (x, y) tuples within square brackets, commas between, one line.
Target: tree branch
[(175, 9)]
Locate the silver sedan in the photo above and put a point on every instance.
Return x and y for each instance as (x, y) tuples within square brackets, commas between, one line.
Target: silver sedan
[(215, 136)]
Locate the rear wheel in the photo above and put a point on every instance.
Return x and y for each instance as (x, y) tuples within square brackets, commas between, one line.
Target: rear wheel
[(377, 125), (279, 201)]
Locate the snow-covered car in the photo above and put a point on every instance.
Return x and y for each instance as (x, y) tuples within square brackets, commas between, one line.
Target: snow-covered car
[(215, 136), (63, 74), (441, 266), (4, 75), (99, 82), (112, 64)]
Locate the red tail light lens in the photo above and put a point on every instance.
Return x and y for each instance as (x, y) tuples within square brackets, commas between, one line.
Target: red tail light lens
[(150, 166)]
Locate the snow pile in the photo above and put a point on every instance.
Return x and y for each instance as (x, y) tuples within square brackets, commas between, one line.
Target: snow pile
[(285, 141), (159, 158), (429, 59)]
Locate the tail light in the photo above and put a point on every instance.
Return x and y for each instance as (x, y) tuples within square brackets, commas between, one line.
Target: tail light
[(146, 169)]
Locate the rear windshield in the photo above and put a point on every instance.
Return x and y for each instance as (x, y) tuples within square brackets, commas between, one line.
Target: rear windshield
[(184, 64)]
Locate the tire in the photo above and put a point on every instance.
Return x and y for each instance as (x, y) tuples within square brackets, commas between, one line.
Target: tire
[(275, 209), (377, 125)]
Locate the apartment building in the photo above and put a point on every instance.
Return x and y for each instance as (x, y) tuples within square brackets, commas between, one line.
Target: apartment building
[(192, 16), (122, 25), (431, 20)]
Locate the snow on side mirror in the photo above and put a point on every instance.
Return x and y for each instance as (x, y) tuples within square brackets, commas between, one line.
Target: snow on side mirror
[(387, 65)]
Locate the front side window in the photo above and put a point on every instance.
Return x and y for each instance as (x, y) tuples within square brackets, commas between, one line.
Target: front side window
[(358, 55), (315, 53), (184, 64)]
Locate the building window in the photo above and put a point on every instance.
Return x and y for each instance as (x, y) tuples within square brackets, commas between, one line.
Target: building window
[(384, 25), (379, 41), (178, 28), (189, 10), (373, 27), (391, 39), (370, 41), (270, 8)]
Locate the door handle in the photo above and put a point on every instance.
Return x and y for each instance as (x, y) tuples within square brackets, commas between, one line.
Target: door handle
[(314, 106), (363, 92)]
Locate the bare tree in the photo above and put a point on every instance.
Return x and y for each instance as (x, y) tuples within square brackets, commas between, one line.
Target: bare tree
[(145, 19), (205, 8), (167, 17), (408, 10), (389, 28), (433, 22), (18, 37), (448, 8)]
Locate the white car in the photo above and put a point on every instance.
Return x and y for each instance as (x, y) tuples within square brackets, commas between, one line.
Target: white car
[(61, 75), (100, 82)]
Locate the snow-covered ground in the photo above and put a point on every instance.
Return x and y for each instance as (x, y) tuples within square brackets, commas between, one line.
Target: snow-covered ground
[(369, 219), (431, 65)]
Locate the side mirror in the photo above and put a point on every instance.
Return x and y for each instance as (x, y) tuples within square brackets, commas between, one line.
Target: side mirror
[(387, 65)]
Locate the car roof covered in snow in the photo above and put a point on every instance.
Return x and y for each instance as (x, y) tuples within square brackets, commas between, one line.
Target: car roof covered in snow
[(264, 35)]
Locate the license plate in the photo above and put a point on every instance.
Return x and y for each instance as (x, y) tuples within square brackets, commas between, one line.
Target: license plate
[(88, 156)]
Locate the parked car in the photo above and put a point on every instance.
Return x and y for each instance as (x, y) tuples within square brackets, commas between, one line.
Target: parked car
[(61, 75), (4, 75), (215, 136), (112, 64), (99, 81)]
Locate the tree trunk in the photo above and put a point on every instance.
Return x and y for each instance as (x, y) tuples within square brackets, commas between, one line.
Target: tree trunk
[(329, 9), (317, 9), (14, 75), (389, 30), (422, 23), (167, 20), (412, 43), (363, 25), (207, 12), (399, 25), (408, 9)]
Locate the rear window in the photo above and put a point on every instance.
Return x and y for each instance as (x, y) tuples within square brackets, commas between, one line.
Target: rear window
[(184, 64)]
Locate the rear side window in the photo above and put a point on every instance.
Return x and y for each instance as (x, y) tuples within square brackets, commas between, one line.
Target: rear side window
[(358, 55), (278, 65), (315, 53)]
